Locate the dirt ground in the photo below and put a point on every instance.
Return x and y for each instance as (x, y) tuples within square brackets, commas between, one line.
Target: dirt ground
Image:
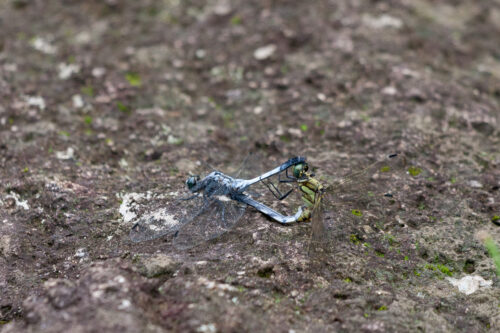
[(107, 103)]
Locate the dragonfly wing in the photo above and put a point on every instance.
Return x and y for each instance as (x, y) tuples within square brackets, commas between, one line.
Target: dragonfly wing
[(167, 219), (220, 215), (320, 237), (375, 178)]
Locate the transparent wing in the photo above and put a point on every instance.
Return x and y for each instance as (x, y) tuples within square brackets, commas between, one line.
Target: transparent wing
[(387, 192), (220, 215), (320, 237), (167, 219), (166, 213)]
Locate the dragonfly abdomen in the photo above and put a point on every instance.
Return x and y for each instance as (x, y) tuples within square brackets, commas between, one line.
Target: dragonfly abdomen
[(311, 190)]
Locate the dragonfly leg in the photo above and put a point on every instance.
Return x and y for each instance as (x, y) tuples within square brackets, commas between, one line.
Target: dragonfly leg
[(275, 191), (190, 197), (290, 179)]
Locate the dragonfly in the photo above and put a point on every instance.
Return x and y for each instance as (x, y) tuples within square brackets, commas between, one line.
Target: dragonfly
[(218, 201), (387, 191), (216, 204), (350, 197)]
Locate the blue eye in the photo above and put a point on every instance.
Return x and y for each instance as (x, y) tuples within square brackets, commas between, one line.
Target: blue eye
[(191, 181)]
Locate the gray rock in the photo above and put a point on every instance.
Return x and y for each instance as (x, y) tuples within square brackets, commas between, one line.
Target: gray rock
[(156, 265)]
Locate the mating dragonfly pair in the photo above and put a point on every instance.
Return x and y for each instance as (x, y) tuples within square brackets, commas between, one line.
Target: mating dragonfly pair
[(218, 201)]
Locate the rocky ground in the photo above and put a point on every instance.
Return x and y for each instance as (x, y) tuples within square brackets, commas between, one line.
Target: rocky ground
[(109, 104)]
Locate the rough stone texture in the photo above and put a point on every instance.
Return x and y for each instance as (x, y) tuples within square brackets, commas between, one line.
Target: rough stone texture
[(155, 265), (100, 99)]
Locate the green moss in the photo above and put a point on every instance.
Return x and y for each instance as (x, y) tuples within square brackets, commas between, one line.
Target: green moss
[(25, 170), (356, 212), (494, 252), (303, 127), (87, 120), (495, 219), (379, 254), (285, 138), (122, 107), (133, 79), (88, 90), (347, 280), (64, 133), (439, 268), (236, 20), (354, 239), (390, 239), (385, 168), (382, 308), (414, 171), (407, 258), (444, 269)]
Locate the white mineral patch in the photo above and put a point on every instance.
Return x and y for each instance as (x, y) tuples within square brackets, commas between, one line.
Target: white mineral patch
[(383, 21), (43, 45), (98, 71), (37, 101), (10, 67), (264, 52), (67, 70), (81, 252), (222, 7), (129, 204), (167, 220), (207, 328), (475, 184), (123, 163), (295, 132), (390, 91), (258, 110), (470, 284), (77, 101), (214, 285), (125, 304), (66, 155), (19, 202)]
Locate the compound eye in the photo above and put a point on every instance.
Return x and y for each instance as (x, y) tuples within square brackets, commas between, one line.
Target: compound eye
[(191, 181), (298, 170)]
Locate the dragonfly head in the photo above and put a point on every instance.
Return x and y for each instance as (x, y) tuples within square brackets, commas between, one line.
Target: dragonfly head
[(192, 181), (300, 169)]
